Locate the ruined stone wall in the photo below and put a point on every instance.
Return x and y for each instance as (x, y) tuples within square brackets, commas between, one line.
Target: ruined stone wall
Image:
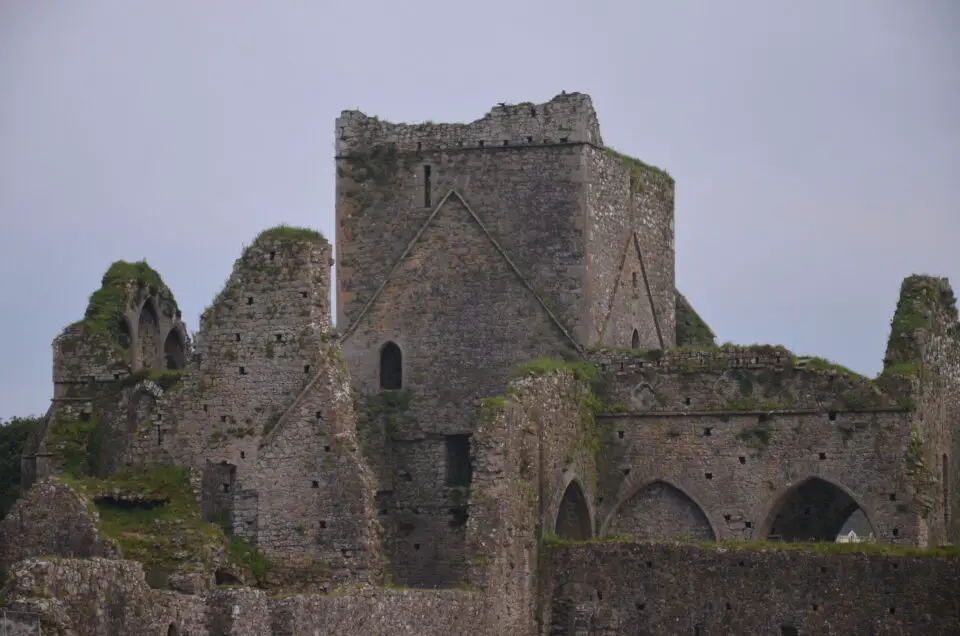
[(533, 456), (85, 597), (568, 117), (315, 494), (77, 597), (623, 588), (630, 240), (51, 518), (924, 351), (714, 444)]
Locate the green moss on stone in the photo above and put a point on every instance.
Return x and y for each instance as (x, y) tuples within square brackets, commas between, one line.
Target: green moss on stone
[(285, 232), (638, 169), (77, 444), (106, 307), (920, 297), (692, 330), (154, 518), (585, 371)]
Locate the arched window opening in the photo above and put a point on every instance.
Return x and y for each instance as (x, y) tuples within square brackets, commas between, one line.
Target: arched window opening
[(817, 510), (391, 368), (173, 351), (172, 630), (148, 335), (635, 341), (573, 518)]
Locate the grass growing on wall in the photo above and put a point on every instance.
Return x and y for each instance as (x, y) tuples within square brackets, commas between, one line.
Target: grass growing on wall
[(285, 232), (107, 305), (154, 518)]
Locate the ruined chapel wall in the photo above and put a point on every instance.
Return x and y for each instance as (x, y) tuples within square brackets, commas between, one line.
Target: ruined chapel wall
[(622, 588), (530, 447), (724, 436), (315, 493)]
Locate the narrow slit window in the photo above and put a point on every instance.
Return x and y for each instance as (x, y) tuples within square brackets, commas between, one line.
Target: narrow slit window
[(426, 186), (459, 468)]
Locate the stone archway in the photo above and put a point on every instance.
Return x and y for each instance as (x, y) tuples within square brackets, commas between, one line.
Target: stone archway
[(573, 516), (174, 351), (815, 510)]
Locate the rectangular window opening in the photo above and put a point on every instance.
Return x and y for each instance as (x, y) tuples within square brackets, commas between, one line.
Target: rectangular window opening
[(459, 469), (426, 186)]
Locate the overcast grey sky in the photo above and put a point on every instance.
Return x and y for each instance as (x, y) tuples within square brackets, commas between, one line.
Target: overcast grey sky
[(815, 144)]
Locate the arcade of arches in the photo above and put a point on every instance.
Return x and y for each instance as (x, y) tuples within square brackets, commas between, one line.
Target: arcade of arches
[(813, 510)]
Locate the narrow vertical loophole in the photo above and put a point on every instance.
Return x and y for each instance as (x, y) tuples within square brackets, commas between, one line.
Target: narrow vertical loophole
[(426, 186)]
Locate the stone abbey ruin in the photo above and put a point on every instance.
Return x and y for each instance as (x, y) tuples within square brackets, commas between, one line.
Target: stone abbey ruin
[(520, 426)]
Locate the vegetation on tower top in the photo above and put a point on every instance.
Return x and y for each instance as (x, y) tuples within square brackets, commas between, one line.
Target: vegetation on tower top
[(107, 305)]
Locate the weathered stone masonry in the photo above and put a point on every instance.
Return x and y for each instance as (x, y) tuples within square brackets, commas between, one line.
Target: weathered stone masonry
[(474, 248), (532, 416)]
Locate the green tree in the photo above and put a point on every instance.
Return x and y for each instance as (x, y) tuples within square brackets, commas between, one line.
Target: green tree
[(13, 437)]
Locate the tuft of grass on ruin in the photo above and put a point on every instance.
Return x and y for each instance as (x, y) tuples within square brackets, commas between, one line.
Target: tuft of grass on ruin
[(285, 232), (584, 371), (919, 297), (815, 363), (106, 307), (692, 330), (637, 168)]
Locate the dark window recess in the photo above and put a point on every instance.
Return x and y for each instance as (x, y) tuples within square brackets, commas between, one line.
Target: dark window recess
[(564, 140), (635, 340), (391, 367), (306, 368), (315, 484), (243, 371), (459, 469), (236, 337), (426, 186), (480, 143), (249, 300), (273, 255), (529, 140), (279, 337), (506, 142)]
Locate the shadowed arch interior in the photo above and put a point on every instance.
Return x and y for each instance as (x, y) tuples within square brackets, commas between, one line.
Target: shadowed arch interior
[(148, 336), (816, 510), (391, 367), (173, 351), (661, 511), (573, 517), (172, 630), (635, 341)]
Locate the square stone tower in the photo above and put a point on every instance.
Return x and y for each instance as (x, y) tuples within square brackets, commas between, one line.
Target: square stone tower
[(464, 250)]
